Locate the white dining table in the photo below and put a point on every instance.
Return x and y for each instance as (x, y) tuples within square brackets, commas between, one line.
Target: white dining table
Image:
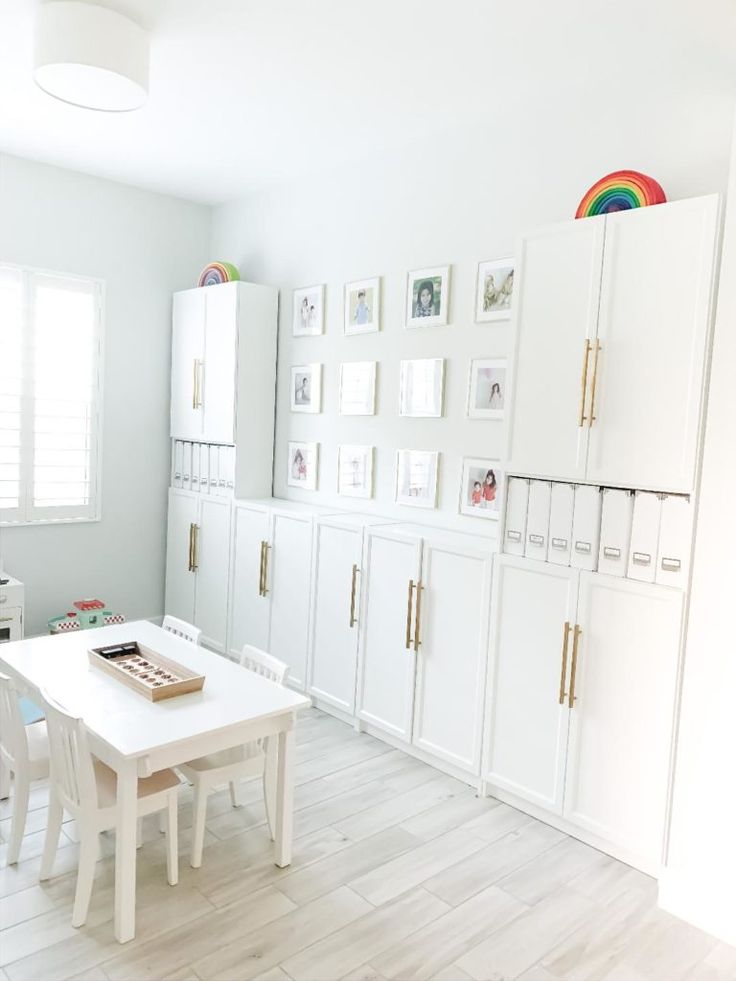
[(136, 737)]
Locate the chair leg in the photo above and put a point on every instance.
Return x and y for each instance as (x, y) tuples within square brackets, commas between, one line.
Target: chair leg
[(200, 814), (172, 838), (20, 811), (234, 793), (270, 775), (53, 830), (85, 876), (162, 820), (139, 833)]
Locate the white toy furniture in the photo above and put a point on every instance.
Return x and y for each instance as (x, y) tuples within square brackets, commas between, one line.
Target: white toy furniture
[(180, 628)]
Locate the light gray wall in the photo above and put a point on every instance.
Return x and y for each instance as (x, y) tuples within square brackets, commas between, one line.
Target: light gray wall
[(144, 246)]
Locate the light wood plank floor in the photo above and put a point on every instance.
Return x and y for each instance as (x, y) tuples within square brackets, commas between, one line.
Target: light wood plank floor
[(399, 872)]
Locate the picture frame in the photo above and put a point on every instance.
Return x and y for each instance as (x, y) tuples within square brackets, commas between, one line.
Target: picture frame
[(428, 297), (416, 478), (478, 497), (308, 313), (357, 395), (421, 387), (494, 290), (302, 464), (487, 388), (362, 314), (306, 388), (355, 471)]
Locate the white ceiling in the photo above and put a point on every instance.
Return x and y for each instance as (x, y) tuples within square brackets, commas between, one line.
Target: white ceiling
[(245, 93)]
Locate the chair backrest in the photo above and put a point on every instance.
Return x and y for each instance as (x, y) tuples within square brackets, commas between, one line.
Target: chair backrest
[(72, 772), (264, 664), (182, 629), (13, 738)]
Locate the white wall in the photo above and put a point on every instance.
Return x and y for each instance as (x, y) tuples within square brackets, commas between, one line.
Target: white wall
[(458, 198), (144, 246), (699, 882)]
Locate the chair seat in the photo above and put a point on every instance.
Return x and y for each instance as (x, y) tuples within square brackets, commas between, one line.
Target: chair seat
[(107, 784), (38, 741), (225, 757)]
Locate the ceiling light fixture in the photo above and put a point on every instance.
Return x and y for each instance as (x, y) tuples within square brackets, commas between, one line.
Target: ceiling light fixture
[(91, 57)]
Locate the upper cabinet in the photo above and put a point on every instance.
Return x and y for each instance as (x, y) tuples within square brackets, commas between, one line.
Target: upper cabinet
[(612, 326)]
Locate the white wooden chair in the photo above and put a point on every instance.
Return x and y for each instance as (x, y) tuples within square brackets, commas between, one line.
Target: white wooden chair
[(87, 789), (240, 763), (24, 750), (182, 629)]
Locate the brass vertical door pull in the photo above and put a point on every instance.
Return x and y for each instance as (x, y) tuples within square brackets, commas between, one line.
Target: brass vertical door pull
[(563, 673), (260, 571), (266, 547), (584, 383), (408, 615), (418, 617), (195, 548), (190, 564), (591, 420), (195, 380), (573, 669), (353, 619)]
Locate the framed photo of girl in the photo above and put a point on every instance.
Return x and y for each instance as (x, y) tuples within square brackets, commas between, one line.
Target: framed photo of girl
[(480, 488), (309, 311), (428, 297), (306, 388), (494, 293), (302, 465), (363, 306), (487, 388)]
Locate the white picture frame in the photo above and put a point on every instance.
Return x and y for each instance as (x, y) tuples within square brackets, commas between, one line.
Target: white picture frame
[(302, 465), (308, 313), (355, 471), (421, 387), (487, 388), (362, 313), (475, 499), (357, 395), (306, 388), (428, 297), (494, 290), (416, 478)]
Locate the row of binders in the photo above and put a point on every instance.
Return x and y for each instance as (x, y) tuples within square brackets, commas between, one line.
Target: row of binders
[(636, 534), (207, 468)]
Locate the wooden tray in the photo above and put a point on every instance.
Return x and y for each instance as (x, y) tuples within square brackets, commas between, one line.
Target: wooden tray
[(145, 671)]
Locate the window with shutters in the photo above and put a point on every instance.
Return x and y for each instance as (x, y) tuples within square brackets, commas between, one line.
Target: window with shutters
[(50, 365)]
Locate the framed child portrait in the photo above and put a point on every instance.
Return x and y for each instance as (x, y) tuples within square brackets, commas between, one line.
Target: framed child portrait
[(428, 297), (487, 388), (309, 311), (306, 388), (363, 306), (480, 488), (302, 465), (494, 293), (355, 471), (416, 478)]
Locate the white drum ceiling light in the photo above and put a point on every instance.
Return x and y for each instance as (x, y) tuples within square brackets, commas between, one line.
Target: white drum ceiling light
[(90, 56)]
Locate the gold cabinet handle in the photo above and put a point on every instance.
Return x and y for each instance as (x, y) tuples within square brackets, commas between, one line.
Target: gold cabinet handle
[(190, 565), (195, 547), (408, 615), (194, 383), (353, 619), (260, 571), (264, 589), (591, 419), (575, 638), (563, 673), (418, 617), (197, 384), (584, 383)]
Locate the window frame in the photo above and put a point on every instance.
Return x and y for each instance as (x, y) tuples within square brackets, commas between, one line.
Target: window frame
[(27, 514)]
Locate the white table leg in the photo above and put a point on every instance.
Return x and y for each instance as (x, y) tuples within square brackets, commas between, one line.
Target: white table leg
[(125, 851), (285, 798)]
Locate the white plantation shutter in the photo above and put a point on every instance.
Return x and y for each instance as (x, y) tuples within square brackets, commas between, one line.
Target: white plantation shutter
[(51, 389)]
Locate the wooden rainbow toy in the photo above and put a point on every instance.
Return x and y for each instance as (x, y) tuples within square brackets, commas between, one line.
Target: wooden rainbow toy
[(218, 272), (619, 191)]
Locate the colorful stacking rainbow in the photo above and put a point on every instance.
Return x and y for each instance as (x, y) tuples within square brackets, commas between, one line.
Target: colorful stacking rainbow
[(619, 191), (218, 272)]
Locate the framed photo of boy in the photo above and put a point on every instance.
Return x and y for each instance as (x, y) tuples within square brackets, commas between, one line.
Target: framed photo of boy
[(428, 297), (494, 294), (355, 471), (306, 388), (363, 306), (358, 388), (487, 388), (302, 465), (309, 311), (480, 488), (416, 478)]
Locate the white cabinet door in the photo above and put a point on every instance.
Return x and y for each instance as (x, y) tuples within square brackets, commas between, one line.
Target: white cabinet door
[(556, 313), (289, 567), (180, 576), (528, 714), (387, 658), (219, 363), (335, 614), (250, 610), (211, 555), (187, 357), (622, 720), (451, 662), (652, 331)]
